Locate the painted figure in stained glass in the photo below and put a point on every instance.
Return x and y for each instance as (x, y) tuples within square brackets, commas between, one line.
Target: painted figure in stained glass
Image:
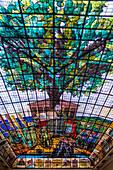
[(30, 163), (82, 136), (33, 135), (45, 137), (14, 138), (60, 124), (44, 133), (21, 162)]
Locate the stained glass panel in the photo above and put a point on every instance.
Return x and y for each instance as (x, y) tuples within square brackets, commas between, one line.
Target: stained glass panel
[(56, 82)]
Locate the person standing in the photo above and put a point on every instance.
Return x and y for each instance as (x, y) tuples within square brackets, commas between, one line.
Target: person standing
[(33, 135), (45, 139)]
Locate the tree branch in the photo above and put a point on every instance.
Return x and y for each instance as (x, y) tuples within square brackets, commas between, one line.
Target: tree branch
[(87, 50), (36, 76), (28, 55), (70, 80), (92, 69)]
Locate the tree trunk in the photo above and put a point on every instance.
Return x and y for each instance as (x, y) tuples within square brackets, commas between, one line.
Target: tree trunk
[(54, 97)]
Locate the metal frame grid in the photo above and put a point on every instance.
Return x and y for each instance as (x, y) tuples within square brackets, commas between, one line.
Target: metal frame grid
[(25, 50)]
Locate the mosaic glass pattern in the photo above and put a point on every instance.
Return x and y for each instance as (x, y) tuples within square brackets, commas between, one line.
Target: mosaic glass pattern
[(56, 82)]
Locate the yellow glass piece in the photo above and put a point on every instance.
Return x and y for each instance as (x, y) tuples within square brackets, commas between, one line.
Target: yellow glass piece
[(15, 11), (26, 4), (1, 18)]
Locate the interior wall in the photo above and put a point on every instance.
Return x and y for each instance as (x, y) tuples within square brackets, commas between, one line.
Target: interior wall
[(3, 167), (108, 165), (3, 164)]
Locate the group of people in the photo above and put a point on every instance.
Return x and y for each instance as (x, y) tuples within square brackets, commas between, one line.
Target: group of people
[(30, 136), (86, 138), (25, 136), (63, 149)]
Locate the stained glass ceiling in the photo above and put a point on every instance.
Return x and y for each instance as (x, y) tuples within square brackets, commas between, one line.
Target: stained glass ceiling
[(56, 82)]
